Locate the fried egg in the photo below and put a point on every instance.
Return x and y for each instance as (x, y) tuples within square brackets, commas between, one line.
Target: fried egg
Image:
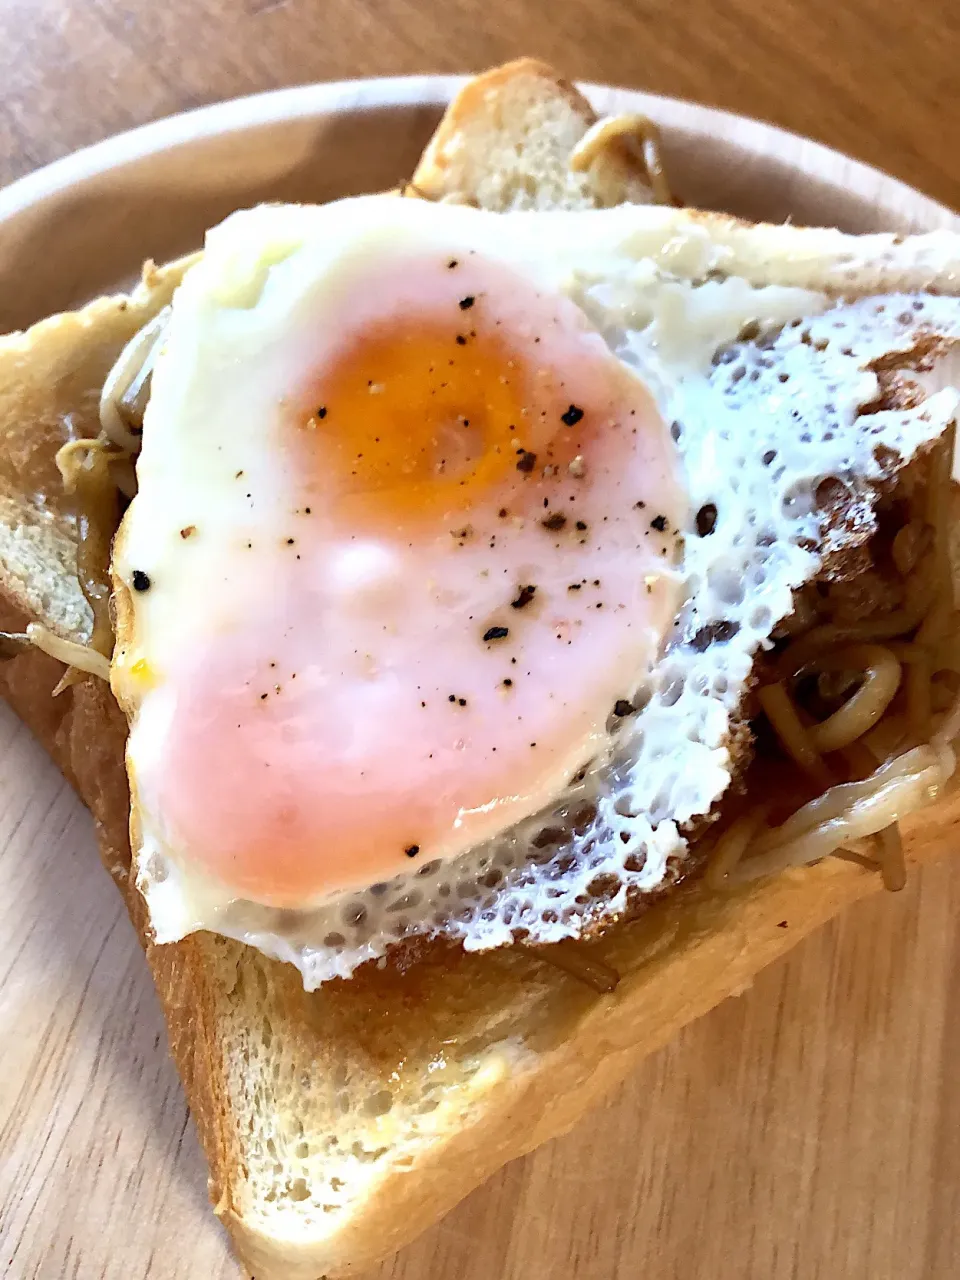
[(418, 567)]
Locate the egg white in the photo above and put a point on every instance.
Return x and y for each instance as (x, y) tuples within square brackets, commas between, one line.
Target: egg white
[(654, 303)]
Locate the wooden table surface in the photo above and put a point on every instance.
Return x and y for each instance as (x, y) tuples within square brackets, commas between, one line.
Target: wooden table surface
[(810, 1128)]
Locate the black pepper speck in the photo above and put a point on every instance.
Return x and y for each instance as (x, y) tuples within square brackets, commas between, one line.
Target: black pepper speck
[(141, 581), (572, 416), (715, 632), (706, 519)]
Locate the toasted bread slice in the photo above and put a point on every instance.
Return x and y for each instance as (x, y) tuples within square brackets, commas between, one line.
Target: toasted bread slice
[(339, 1124), (506, 142)]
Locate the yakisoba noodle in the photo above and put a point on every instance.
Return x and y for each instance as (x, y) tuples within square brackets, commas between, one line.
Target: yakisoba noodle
[(783, 714), (575, 959), (846, 812), (891, 735), (85, 466), (126, 391), (633, 131), (881, 679), (79, 657), (98, 474), (87, 470), (893, 867)]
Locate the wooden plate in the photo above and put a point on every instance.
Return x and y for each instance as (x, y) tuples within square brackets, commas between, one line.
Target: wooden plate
[(806, 1129)]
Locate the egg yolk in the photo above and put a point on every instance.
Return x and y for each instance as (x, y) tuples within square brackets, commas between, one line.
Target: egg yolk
[(487, 505), (415, 424)]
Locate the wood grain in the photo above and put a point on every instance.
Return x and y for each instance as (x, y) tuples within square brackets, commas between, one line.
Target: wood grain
[(810, 1128)]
